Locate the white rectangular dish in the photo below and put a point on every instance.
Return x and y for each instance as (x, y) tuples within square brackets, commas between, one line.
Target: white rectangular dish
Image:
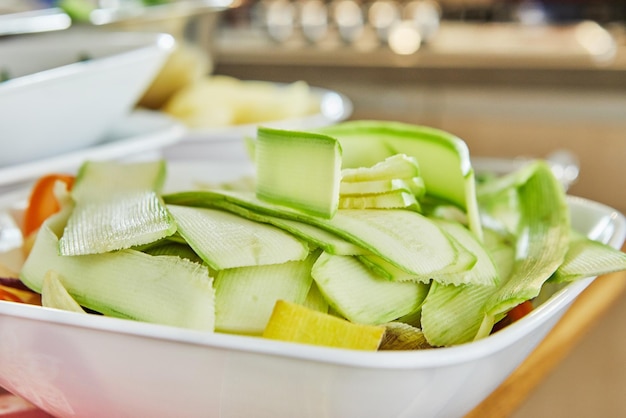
[(77, 365)]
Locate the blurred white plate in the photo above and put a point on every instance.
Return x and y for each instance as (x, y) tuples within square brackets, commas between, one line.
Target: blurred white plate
[(227, 143), (141, 134), (334, 107)]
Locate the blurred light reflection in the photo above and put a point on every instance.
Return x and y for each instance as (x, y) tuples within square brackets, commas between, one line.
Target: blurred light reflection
[(404, 38), (332, 106), (382, 16), (314, 20), (596, 40), (279, 19), (349, 19)]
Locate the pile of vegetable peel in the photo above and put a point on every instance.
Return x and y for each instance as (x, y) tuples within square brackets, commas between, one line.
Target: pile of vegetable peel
[(422, 255)]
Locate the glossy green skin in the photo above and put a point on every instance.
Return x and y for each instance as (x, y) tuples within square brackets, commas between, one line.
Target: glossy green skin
[(443, 158)]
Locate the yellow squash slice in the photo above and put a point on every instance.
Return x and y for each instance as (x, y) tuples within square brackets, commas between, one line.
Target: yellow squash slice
[(296, 323)]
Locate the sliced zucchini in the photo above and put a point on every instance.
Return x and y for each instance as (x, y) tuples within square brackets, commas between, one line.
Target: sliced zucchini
[(54, 295), (299, 170), (397, 166), (396, 199), (542, 239), (588, 258), (245, 297), (117, 206), (453, 273), (225, 240), (126, 283), (454, 315), (483, 272), (315, 300), (182, 250), (403, 238), (443, 158), (315, 236), (361, 296), (414, 185)]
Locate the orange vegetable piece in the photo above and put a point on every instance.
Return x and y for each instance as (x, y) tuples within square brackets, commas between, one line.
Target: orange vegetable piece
[(514, 314), (42, 203), (10, 296), (520, 311)]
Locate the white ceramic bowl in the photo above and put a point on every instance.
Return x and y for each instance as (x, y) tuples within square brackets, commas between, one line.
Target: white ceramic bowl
[(53, 102), (74, 365)]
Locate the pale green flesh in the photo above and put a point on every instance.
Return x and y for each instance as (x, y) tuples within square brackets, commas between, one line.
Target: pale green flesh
[(54, 295), (377, 265), (117, 206), (245, 297), (501, 248), (224, 240), (315, 300), (450, 274), (460, 272), (391, 184), (312, 234), (396, 199), (588, 258), (443, 158), (403, 238), (454, 314), (182, 250), (414, 185), (361, 296), (127, 283), (397, 166), (483, 272), (125, 221), (542, 240), (299, 170), (328, 241)]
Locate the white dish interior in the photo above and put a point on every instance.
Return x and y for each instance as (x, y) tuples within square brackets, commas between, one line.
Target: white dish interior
[(75, 365)]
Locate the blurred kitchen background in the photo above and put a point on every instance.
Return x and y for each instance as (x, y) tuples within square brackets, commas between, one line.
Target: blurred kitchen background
[(513, 78)]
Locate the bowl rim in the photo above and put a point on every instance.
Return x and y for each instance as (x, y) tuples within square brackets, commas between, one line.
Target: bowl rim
[(146, 43), (407, 360)]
